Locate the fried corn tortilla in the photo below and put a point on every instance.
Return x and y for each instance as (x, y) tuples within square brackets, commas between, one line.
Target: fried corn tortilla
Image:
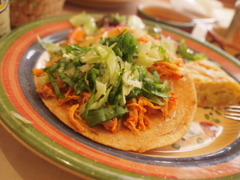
[(163, 132), (118, 86)]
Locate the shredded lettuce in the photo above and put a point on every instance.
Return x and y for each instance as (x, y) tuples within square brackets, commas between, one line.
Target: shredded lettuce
[(50, 47), (124, 45), (109, 64), (130, 80), (55, 86), (100, 102), (147, 54), (154, 87), (169, 44), (101, 89), (115, 96), (86, 21), (103, 114)]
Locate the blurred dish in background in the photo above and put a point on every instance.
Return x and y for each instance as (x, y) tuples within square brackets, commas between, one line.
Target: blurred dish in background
[(164, 12), (24, 11), (203, 9), (103, 4), (233, 31), (228, 38)]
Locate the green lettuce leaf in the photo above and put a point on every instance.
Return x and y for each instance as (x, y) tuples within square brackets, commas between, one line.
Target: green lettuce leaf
[(97, 116)]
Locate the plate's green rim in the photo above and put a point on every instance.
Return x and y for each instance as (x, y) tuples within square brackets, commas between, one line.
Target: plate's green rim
[(55, 153)]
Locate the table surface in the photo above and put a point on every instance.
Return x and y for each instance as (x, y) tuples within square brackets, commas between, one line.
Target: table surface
[(17, 161)]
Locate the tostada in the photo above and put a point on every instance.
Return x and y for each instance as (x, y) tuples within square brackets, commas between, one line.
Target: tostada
[(117, 84)]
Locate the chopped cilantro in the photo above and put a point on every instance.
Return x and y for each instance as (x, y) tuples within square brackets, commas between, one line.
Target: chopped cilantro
[(124, 45)]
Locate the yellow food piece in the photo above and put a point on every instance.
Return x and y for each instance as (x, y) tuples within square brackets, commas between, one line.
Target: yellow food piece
[(213, 85)]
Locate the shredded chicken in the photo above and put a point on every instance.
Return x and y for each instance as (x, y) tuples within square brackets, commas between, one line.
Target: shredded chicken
[(73, 113), (45, 91), (112, 125), (73, 117), (69, 96), (139, 110), (38, 72), (138, 113), (167, 70)]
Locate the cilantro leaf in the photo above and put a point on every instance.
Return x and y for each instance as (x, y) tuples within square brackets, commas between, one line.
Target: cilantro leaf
[(124, 45)]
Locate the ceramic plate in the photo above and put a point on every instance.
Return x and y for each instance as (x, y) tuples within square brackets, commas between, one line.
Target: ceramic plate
[(165, 13), (210, 149)]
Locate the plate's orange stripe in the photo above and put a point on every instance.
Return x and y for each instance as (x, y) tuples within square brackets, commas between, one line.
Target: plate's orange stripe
[(11, 85)]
